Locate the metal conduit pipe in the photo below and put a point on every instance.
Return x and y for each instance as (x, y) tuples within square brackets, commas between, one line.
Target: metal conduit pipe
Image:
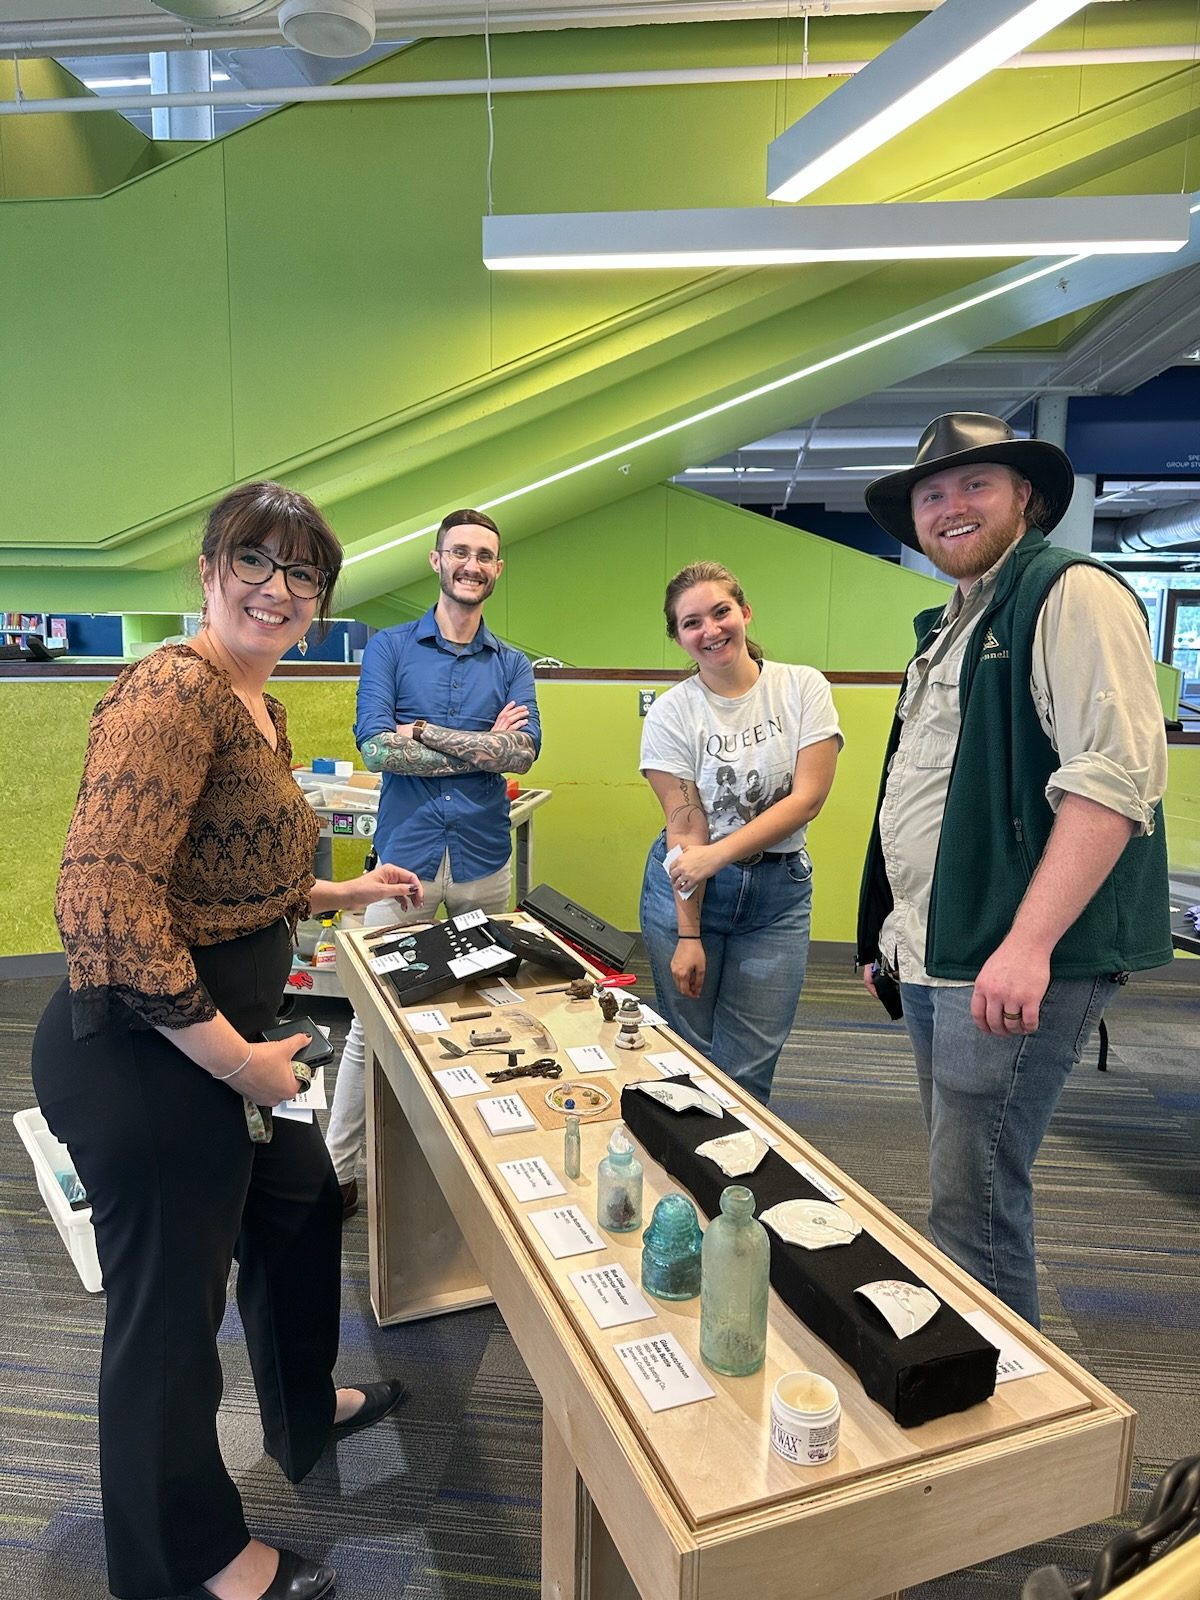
[(553, 83), (1162, 530)]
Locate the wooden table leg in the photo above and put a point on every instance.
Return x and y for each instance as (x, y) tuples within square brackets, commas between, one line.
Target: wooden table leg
[(579, 1559), (420, 1265)]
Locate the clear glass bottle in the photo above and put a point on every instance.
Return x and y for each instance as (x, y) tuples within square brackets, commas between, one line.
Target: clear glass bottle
[(571, 1148), (671, 1250), (619, 1186), (735, 1267)]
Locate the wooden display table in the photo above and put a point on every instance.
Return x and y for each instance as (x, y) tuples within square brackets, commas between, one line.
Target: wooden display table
[(692, 1502)]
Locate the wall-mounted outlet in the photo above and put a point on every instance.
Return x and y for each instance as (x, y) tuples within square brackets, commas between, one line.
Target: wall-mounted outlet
[(646, 698)]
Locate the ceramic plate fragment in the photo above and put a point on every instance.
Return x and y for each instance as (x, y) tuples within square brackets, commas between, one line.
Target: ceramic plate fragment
[(906, 1307), (680, 1097), (815, 1224), (735, 1153)]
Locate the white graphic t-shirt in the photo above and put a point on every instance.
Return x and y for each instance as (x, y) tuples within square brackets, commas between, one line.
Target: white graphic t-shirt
[(740, 753)]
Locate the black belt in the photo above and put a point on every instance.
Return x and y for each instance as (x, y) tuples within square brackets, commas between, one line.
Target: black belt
[(767, 855)]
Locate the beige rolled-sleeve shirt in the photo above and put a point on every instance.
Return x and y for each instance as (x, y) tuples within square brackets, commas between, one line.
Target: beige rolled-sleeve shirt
[(1093, 685)]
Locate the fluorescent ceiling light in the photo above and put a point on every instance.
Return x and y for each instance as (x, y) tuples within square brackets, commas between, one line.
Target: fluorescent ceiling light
[(628, 446), (136, 83), (947, 51), (774, 236)]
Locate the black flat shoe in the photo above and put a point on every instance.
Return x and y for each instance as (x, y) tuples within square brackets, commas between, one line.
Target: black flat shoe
[(349, 1198), (381, 1400), (295, 1579)]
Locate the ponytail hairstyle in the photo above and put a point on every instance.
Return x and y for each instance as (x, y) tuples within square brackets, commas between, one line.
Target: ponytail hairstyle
[(688, 578)]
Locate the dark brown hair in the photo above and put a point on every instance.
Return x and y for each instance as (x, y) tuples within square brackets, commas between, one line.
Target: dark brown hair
[(466, 519), (247, 517), (688, 578)]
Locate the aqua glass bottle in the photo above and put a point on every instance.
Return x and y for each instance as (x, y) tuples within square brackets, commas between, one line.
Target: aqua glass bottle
[(671, 1250), (735, 1267), (619, 1186)]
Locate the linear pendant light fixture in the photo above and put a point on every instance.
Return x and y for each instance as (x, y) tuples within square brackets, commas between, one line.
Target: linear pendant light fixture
[(771, 236), (948, 50)]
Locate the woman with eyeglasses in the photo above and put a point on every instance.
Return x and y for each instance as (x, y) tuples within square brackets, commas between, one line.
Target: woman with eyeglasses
[(188, 863)]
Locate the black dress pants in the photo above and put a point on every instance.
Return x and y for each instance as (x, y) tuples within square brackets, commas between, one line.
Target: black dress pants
[(178, 1190)]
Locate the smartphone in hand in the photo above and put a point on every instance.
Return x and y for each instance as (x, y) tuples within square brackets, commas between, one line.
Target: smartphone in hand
[(888, 991)]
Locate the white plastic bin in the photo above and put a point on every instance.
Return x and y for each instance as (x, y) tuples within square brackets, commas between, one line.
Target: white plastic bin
[(50, 1156)]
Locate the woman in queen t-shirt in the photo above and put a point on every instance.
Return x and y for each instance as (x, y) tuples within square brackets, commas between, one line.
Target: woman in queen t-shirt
[(741, 756)]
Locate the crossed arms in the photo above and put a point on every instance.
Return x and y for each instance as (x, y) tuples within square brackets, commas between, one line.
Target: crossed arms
[(453, 752)]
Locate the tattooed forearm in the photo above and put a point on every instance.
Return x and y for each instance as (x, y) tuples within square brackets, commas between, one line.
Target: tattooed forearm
[(393, 752), (687, 809), (482, 752)]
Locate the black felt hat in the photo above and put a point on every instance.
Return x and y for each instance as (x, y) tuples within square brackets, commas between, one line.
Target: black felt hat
[(957, 439)]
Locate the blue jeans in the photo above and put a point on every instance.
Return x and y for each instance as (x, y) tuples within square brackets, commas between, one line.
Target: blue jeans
[(755, 925), (987, 1103)]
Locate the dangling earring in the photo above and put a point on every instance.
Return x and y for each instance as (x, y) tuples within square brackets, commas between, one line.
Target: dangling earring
[(302, 646)]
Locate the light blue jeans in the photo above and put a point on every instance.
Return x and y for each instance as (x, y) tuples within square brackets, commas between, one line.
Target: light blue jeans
[(755, 926), (987, 1103)]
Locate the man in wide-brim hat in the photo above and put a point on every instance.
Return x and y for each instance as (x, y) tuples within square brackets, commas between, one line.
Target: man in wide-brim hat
[(1016, 872)]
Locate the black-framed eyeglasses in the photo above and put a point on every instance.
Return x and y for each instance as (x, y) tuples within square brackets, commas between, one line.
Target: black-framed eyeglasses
[(303, 579)]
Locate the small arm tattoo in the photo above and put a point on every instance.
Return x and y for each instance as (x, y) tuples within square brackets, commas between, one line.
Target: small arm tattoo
[(688, 807), (482, 752), (394, 752)]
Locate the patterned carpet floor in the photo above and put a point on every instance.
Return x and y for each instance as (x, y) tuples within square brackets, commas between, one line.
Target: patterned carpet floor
[(445, 1503)]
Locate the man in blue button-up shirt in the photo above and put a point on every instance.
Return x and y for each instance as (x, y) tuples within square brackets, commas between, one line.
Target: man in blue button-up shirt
[(444, 710)]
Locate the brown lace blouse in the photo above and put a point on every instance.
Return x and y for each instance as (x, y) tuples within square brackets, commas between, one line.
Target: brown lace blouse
[(189, 830)]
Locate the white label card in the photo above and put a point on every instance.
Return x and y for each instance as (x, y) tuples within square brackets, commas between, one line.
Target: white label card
[(669, 860), (470, 919), (530, 1179), (671, 1063), (392, 963), (427, 1021), (1016, 1359), (507, 1113), (302, 1104), (611, 1296), (721, 1096), (664, 1375), (499, 994), (455, 1082), (757, 1127), (819, 1181), (590, 1058), (566, 1231), (651, 1017), (479, 961)]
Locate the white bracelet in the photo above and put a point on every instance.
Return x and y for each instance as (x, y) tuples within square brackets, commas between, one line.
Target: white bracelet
[(225, 1077)]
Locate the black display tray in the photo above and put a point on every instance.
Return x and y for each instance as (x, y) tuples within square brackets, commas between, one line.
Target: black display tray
[(946, 1366)]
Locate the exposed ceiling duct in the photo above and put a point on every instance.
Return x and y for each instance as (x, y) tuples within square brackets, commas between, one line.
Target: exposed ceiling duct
[(1163, 530)]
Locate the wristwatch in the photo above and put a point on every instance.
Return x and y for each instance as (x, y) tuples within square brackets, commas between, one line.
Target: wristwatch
[(418, 729)]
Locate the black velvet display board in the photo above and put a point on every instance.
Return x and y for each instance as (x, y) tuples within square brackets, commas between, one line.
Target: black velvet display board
[(946, 1366)]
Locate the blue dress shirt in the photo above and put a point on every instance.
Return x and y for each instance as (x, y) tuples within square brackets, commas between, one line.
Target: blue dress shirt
[(411, 671)]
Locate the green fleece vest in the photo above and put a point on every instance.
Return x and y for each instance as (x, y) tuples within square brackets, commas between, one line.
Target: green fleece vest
[(997, 819)]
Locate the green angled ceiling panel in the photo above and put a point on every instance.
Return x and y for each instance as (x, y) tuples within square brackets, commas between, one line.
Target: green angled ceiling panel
[(55, 154), (114, 388), (352, 342)]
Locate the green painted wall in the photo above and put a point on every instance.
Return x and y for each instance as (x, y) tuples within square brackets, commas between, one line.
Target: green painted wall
[(57, 155), (590, 841), (589, 592), (306, 297)]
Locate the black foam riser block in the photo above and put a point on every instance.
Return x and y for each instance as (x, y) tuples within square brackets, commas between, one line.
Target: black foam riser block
[(945, 1366)]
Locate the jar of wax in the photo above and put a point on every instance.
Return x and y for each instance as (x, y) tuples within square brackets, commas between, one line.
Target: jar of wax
[(806, 1417)]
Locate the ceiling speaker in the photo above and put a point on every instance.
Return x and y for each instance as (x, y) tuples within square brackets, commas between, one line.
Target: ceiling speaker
[(328, 27)]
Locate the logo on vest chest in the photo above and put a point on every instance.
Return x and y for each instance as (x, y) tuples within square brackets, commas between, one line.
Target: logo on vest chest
[(993, 650)]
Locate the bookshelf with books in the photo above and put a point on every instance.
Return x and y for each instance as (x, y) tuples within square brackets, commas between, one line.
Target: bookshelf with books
[(18, 627)]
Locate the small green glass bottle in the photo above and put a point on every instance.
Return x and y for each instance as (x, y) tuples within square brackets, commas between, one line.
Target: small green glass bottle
[(671, 1250), (571, 1148), (619, 1186), (735, 1267)]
